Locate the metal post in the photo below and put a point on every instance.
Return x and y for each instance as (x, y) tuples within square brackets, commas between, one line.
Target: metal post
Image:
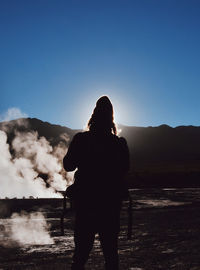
[(129, 233), (63, 215)]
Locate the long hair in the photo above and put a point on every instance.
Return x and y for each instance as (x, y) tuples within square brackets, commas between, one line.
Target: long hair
[(102, 119)]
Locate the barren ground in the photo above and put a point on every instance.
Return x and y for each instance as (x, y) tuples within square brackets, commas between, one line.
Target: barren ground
[(165, 235)]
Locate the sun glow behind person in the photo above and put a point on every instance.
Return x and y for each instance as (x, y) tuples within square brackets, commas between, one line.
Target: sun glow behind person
[(120, 110)]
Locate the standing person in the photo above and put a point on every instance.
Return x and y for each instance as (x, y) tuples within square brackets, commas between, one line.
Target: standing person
[(102, 160)]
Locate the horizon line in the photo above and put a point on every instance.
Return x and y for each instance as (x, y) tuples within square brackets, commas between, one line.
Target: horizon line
[(118, 124)]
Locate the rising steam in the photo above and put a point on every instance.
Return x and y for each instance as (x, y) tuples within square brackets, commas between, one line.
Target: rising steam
[(25, 229), (11, 114), (20, 172), (29, 166), (30, 229)]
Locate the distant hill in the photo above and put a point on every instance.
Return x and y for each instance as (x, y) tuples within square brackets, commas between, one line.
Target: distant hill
[(159, 155), (163, 143), (51, 132)]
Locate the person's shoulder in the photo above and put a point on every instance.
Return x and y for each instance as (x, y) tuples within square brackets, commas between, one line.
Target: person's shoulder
[(119, 139), (122, 140), (81, 135), (78, 139)]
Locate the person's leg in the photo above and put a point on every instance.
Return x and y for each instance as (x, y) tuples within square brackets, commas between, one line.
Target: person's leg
[(109, 227), (109, 243), (83, 238)]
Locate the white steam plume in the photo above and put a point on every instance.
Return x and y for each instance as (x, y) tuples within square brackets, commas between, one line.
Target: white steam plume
[(25, 229), (11, 114), (40, 152), (33, 155), (30, 229)]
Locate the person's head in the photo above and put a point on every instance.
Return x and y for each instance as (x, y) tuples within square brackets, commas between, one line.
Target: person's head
[(102, 117)]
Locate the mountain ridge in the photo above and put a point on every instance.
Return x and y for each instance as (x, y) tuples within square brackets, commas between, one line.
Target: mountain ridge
[(154, 151)]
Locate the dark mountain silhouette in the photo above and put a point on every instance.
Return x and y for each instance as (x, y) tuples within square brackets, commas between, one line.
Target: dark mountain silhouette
[(163, 143), (51, 132), (160, 156)]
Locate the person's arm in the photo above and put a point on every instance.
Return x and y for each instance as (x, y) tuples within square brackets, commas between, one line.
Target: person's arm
[(70, 161)]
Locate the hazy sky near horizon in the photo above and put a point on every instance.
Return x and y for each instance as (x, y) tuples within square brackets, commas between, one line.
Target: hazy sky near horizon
[(58, 57)]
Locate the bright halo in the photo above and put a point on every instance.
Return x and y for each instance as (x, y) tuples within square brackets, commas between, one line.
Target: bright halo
[(89, 105)]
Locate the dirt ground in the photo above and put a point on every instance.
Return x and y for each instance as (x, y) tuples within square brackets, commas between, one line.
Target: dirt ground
[(162, 238)]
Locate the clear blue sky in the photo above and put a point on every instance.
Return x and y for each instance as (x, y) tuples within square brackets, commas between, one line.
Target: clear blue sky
[(57, 57)]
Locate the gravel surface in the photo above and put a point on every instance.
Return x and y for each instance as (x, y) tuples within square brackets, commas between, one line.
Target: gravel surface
[(163, 237)]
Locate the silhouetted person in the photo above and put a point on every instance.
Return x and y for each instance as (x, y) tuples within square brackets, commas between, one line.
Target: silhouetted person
[(102, 160)]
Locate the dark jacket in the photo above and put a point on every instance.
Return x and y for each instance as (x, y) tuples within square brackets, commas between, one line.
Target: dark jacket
[(101, 160)]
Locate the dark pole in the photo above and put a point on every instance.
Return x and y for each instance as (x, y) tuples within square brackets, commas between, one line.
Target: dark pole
[(63, 215), (129, 234)]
